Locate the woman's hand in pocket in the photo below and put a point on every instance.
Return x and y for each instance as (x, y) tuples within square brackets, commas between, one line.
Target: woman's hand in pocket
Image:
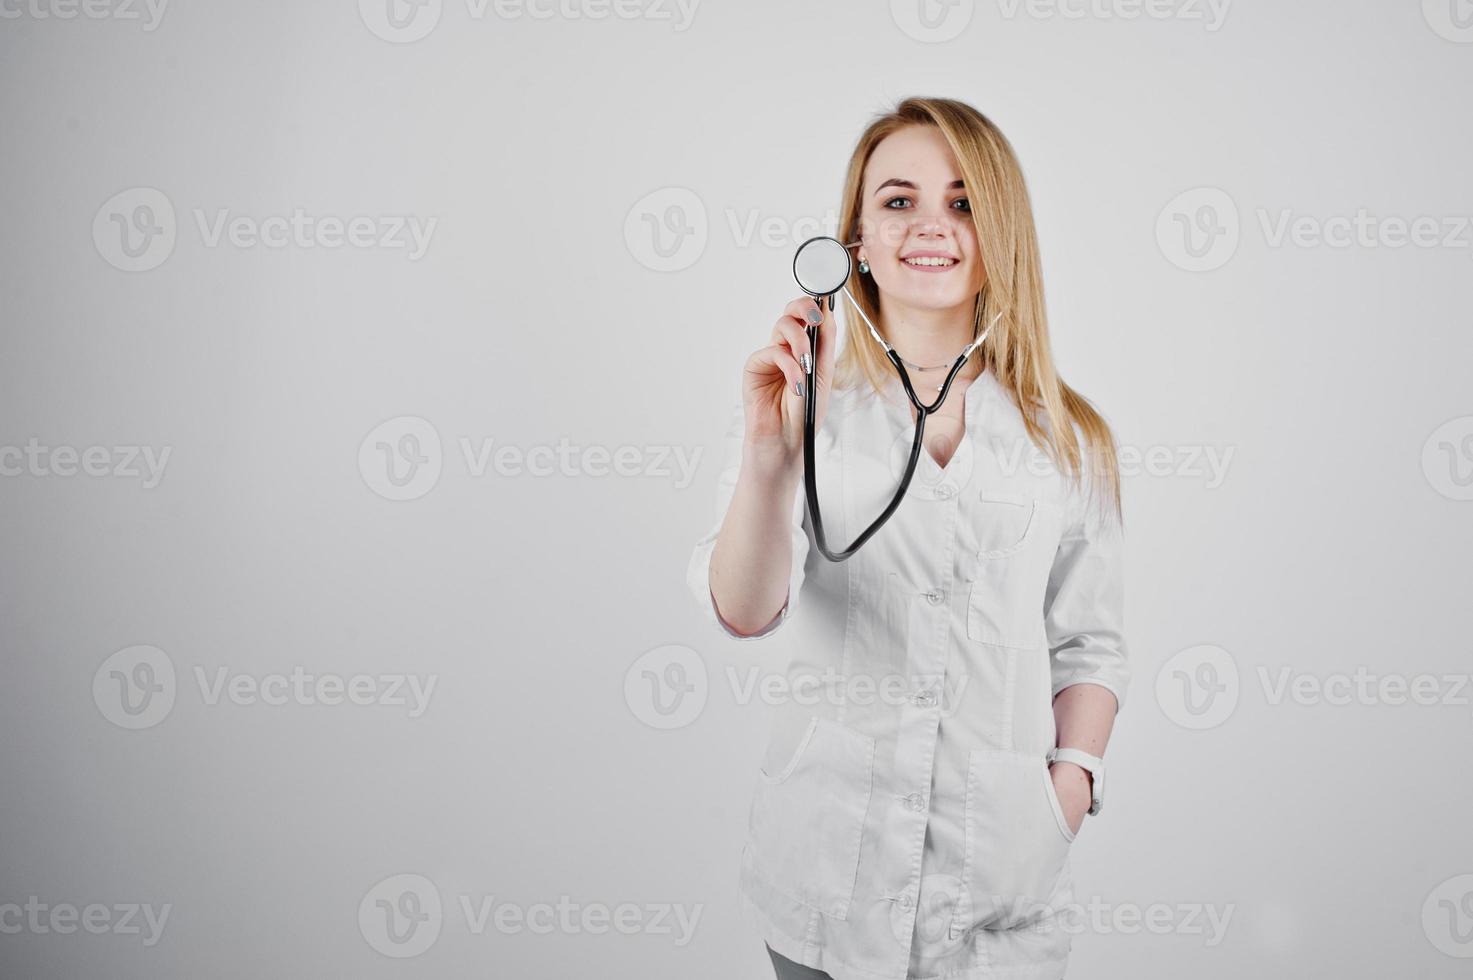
[(1071, 785)]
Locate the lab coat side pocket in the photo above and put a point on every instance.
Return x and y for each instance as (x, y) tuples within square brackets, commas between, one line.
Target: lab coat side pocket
[(807, 819), (1016, 842)]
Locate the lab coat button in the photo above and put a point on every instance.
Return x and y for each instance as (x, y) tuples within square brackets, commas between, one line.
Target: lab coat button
[(915, 801), (944, 491), (935, 596), (906, 902), (924, 698)]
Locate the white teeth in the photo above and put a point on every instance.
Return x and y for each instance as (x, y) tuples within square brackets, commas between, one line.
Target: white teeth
[(929, 260)]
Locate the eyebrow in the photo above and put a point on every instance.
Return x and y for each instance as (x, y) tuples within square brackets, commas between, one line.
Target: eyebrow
[(902, 182)]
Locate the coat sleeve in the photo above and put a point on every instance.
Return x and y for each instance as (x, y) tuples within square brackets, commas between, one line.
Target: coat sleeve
[(1084, 604), (698, 573)]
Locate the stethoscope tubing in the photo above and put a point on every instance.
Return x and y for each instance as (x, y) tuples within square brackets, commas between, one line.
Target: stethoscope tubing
[(810, 424)]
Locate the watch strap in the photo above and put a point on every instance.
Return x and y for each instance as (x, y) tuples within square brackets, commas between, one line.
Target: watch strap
[(1092, 764), (1079, 757)]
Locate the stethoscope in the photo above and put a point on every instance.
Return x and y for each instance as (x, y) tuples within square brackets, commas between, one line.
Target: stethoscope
[(822, 267)]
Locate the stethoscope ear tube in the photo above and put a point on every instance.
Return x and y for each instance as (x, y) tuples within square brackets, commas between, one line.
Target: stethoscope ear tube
[(810, 417)]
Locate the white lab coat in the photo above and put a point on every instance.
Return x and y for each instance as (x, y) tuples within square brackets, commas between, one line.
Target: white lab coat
[(903, 822)]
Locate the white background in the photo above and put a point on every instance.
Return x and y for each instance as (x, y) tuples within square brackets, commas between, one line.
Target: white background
[(541, 310)]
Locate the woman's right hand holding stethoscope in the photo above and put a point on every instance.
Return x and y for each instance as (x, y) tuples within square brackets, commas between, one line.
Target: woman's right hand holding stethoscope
[(772, 381)]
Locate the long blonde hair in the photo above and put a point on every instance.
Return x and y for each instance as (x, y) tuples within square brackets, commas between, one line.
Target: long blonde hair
[(1017, 349)]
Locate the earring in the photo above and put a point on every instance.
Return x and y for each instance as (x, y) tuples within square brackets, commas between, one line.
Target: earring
[(863, 266)]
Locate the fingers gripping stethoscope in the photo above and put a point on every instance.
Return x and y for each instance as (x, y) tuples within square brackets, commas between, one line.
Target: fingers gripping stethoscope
[(822, 267)]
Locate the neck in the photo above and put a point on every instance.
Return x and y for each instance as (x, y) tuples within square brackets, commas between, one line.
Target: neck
[(931, 337)]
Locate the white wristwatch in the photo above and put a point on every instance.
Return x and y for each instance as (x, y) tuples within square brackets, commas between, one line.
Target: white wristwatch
[(1092, 764)]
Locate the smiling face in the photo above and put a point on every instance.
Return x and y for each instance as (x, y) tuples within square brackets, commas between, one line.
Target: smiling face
[(916, 223)]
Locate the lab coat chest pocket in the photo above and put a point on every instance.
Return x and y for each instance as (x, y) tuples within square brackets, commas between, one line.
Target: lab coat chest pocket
[(1015, 536), (807, 818)]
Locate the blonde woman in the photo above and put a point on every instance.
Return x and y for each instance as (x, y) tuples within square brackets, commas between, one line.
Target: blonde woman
[(953, 685)]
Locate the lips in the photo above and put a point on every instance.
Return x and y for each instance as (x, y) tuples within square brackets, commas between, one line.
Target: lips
[(929, 261)]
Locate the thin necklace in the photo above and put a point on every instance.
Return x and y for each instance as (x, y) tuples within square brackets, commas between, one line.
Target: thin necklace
[(916, 367), (976, 340)]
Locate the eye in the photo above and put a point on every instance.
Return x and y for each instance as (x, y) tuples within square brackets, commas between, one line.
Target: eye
[(967, 205), (893, 200)]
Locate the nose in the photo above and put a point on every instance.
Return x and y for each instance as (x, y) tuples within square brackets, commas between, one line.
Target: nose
[(928, 221), (928, 225)]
